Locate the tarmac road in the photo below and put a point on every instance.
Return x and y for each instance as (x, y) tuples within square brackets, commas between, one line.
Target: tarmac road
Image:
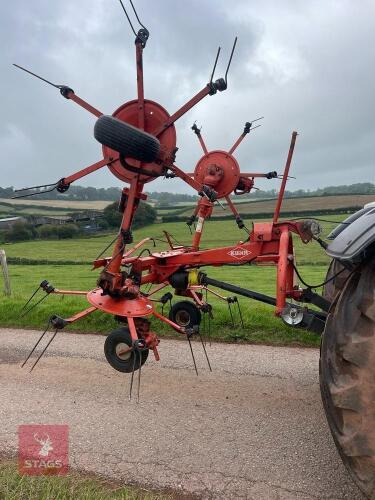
[(254, 428)]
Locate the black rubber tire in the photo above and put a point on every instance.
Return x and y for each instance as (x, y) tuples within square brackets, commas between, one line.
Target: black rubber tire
[(185, 314), (113, 341), (335, 286), (127, 140), (347, 376)]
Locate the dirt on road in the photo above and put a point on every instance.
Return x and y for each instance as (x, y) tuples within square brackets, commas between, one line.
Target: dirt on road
[(254, 428)]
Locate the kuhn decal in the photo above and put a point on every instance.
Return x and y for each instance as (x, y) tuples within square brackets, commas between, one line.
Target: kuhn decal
[(239, 253)]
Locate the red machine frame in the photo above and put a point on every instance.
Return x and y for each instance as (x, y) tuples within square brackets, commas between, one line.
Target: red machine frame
[(216, 176)]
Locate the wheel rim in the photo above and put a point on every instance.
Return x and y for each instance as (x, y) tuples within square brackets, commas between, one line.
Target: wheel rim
[(182, 318), (123, 351)]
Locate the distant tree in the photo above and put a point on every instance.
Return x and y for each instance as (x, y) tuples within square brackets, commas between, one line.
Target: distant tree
[(20, 231), (67, 231), (47, 231), (60, 231), (144, 215)]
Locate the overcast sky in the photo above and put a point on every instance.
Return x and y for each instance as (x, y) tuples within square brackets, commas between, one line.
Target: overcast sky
[(304, 65)]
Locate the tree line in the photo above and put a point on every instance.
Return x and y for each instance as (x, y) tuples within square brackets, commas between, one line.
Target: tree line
[(80, 193), (26, 230)]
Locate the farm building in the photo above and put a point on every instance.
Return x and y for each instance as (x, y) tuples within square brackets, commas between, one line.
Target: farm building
[(65, 219), (42, 220), (8, 222)]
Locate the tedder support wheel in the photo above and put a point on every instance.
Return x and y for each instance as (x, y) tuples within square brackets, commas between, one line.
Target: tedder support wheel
[(185, 314), (333, 287), (347, 376), (119, 353), (126, 139)]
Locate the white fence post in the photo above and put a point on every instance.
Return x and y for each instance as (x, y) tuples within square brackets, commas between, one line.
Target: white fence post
[(4, 265)]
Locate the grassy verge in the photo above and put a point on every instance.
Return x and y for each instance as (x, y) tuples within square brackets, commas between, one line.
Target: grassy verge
[(260, 324), (73, 486)]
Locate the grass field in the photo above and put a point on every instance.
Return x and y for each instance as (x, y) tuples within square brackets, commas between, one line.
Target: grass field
[(25, 206), (313, 203), (216, 233), (260, 324), (74, 485), (67, 264), (63, 204)]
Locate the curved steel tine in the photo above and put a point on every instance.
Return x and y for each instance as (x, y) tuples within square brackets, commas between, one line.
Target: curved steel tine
[(229, 62), (215, 63), (240, 313), (139, 375), (136, 15), (128, 18), (33, 306), (37, 76), (205, 352), (192, 355), (108, 246), (34, 194), (231, 314), (36, 345), (35, 187), (44, 350), (30, 299), (132, 378)]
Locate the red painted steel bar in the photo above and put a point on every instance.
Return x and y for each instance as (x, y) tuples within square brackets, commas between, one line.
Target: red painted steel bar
[(250, 174), (285, 177), (282, 272), (186, 178), (232, 206), (69, 292), (175, 326), (135, 247), (132, 329), (71, 95), (202, 143), (237, 143), (89, 170), (81, 314), (140, 90), (115, 262), (184, 109), (157, 289)]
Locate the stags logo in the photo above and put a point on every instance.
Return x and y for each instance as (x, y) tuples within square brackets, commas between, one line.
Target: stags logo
[(43, 449), (239, 253), (46, 445)]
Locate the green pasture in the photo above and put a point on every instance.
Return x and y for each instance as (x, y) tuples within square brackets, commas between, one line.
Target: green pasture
[(216, 233), (67, 264), (260, 324)]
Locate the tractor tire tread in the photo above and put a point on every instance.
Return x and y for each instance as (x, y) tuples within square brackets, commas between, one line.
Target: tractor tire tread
[(127, 140), (347, 374)]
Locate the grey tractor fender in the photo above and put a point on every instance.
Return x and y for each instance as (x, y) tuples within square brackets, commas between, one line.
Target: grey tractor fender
[(351, 242)]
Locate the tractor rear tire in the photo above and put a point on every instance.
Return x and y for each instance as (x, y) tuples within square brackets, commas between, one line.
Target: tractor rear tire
[(116, 342), (335, 286), (347, 375)]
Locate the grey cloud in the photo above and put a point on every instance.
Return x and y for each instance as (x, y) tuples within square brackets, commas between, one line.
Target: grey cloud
[(307, 66)]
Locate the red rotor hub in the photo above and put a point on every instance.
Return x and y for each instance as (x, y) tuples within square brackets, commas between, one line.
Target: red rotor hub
[(207, 168), (120, 306)]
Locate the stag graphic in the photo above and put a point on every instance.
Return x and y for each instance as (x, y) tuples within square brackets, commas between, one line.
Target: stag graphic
[(46, 445)]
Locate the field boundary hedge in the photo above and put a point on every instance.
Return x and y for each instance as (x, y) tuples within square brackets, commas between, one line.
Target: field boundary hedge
[(265, 215)]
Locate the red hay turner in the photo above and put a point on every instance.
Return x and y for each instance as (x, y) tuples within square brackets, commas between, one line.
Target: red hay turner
[(139, 145)]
